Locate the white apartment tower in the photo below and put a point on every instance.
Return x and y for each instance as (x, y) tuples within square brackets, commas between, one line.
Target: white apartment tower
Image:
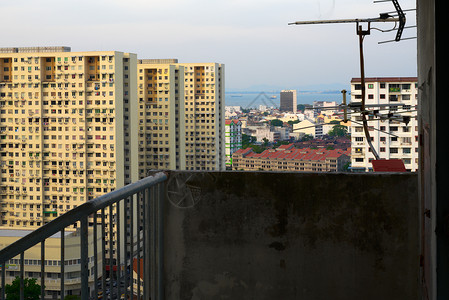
[(68, 130), (391, 138)]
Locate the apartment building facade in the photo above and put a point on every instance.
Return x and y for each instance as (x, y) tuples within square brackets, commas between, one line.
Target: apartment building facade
[(392, 138), (233, 139), (287, 158), (53, 274), (68, 130), (181, 115)]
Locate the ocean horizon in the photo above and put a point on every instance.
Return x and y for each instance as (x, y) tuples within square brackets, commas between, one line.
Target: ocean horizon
[(271, 98)]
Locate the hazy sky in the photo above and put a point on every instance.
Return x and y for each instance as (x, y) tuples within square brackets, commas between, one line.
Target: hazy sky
[(251, 37)]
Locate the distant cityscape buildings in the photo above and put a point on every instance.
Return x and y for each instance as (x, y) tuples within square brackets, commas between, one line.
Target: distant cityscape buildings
[(77, 125)]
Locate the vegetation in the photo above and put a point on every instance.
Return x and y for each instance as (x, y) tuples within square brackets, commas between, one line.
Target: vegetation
[(277, 122), (291, 122), (338, 131), (307, 137), (32, 290)]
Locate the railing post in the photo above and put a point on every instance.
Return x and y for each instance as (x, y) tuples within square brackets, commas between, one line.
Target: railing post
[(152, 224), (62, 260), (160, 232), (22, 275), (3, 279), (146, 239), (118, 212), (103, 251), (95, 239), (139, 218), (43, 270), (84, 258)]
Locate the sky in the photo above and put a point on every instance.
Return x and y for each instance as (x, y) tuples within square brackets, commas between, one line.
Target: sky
[(251, 37)]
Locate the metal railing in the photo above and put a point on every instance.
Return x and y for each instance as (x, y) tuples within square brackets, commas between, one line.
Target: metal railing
[(127, 259)]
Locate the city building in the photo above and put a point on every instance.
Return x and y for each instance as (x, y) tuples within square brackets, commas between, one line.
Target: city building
[(288, 158), (305, 127), (288, 101), (324, 107), (68, 130), (181, 115), (32, 261), (391, 137), (233, 139)]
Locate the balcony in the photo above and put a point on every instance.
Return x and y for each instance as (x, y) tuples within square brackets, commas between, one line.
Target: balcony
[(243, 235)]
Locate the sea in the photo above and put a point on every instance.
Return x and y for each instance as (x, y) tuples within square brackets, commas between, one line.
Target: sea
[(271, 99)]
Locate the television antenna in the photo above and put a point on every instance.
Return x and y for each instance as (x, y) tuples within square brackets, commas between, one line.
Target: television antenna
[(397, 17)]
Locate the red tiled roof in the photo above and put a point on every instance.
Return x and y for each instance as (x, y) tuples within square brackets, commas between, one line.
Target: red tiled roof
[(229, 121), (294, 154), (388, 165)]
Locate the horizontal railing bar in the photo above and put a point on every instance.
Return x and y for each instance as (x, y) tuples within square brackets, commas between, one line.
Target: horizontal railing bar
[(76, 215)]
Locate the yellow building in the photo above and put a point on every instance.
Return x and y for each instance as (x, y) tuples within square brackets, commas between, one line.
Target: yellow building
[(32, 261), (181, 115), (68, 130)]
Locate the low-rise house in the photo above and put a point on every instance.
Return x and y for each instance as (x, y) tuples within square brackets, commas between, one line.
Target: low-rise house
[(288, 158)]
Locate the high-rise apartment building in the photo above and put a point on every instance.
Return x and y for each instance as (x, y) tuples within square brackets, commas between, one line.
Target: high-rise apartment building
[(288, 101), (391, 138), (181, 115), (68, 124), (233, 139)]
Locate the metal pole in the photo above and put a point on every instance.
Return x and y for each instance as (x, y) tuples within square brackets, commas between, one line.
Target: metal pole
[(139, 218), (3, 279), (103, 252), (84, 258), (62, 262), (43, 270), (95, 239), (146, 244), (22, 275), (160, 230), (118, 229), (361, 35)]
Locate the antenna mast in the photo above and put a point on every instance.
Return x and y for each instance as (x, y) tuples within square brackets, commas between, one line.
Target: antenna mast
[(383, 17)]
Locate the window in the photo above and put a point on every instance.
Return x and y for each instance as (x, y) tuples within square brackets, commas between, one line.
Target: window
[(370, 86)]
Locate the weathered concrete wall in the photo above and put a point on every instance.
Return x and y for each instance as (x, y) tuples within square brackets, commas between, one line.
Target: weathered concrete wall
[(266, 235)]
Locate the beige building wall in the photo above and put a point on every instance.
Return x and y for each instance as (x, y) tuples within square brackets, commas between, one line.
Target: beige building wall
[(32, 263), (181, 116), (66, 122)]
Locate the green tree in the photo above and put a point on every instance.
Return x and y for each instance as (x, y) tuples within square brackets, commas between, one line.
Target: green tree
[(306, 137), (338, 131), (265, 142), (32, 290), (291, 122), (247, 140), (277, 122)]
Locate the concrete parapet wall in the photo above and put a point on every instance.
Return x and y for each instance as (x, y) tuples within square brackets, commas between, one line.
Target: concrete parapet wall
[(268, 235)]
